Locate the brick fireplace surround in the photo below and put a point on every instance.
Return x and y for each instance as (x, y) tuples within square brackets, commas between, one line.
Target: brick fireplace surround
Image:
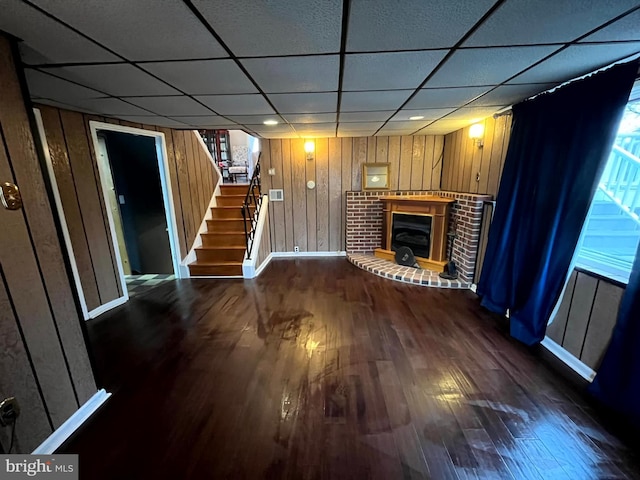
[(364, 229)]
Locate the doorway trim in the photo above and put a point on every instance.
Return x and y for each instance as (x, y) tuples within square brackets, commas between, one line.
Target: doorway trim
[(165, 181)]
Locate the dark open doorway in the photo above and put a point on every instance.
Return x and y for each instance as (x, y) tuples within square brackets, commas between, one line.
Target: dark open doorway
[(143, 237)]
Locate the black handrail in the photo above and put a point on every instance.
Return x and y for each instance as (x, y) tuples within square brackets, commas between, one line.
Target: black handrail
[(251, 199)]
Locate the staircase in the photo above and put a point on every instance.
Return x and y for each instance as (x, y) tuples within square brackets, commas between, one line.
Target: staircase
[(223, 245)]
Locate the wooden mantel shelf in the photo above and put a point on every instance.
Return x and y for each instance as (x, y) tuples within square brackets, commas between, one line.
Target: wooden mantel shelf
[(436, 207), (418, 198)]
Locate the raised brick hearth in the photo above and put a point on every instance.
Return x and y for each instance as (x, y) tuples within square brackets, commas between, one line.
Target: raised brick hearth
[(364, 224)]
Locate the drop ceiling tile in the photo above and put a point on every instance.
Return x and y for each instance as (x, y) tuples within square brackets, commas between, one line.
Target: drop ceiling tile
[(389, 71), (511, 94), (445, 97), (450, 124), (270, 129), (165, 122), (253, 28), (47, 86), (361, 126), (37, 31), (368, 101), (523, 22), (382, 115), (146, 119), (315, 128), (205, 120), (237, 104), (304, 102), (412, 125), (472, 114), (295, 74), (170, 106), (413, 24), (355, 133), (427, 113), (576, 61), (310, 118), (386, 132), (254, 119), (624, 29), (486, 66), (203, 77), (110, 106), (140, 29), (119, 80), (63, 105), (290, 134)]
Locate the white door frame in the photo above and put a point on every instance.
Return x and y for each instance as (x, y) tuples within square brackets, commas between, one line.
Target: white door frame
[(167, 194), (163, 164)]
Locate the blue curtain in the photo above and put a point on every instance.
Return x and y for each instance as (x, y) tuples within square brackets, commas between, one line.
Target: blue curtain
[(559, 145), (617, 383)]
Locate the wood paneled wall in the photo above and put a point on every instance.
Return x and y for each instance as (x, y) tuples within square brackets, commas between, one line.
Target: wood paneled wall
[(192, 176), (314, 219), (586, 317), (464, 161), (43, 356)]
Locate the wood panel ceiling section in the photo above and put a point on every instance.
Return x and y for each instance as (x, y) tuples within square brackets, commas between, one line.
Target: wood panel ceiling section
[(326, 68)]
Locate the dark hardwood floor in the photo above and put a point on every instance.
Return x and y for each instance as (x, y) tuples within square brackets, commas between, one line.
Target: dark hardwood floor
[(319, 370)]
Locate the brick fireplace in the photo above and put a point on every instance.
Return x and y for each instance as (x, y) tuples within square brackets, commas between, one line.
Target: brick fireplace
[(364, 226)]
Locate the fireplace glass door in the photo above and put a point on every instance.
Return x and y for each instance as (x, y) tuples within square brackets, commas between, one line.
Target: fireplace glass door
[(413, 231)]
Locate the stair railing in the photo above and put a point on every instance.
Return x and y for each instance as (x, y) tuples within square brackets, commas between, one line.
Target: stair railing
[(621, 179), (252, 199)]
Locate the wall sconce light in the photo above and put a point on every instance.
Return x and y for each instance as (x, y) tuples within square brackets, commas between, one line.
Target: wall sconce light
[(309, 147), (476, 132)]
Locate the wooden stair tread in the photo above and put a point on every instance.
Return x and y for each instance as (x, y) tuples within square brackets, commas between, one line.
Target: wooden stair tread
[(213, 264), (222, 247), (224, 232)]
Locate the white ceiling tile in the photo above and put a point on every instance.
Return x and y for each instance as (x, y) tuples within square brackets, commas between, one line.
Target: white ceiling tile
[(389, 71), (253, 28), (170, 106), (444, 97), (254, 119), (237, 104), (386, 132), (140, 29), (120, 80), (203, 77), (576, 61), (295, 74), (472, 114), (511, 94), (38, 31), (310, 117), (162, 122), (63, 105), (523, 22), (205, 120), (46, 86), (382, 115), (146, 119), (624, 29), (110, 106), (411, 24), (315, 128), (355, 133), (290, 134), (270, 129), (486, 66), (361, 126), (304, 102), (407, 125), (366, 101), (427, 113)]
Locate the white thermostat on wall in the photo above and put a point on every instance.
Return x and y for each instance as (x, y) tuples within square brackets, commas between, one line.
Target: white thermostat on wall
[(276, 195), (311, 184)]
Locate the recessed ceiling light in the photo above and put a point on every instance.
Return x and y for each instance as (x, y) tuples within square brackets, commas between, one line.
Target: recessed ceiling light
[(270, 122), (417, 117)]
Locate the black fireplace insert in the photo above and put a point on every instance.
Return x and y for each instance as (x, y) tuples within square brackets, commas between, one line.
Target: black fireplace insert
[(413, 231)]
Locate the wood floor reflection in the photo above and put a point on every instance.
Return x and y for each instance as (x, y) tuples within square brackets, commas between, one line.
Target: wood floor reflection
[(319, 370)]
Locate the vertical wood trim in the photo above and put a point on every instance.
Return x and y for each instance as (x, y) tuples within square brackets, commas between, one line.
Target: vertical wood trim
[(417, 162), (382, 149), (322, 195), (347, 179), (406, 155), (359, 157), (288, 199), (299, 194), (336, 218), (394, 161), (183, 183), (427, 169)]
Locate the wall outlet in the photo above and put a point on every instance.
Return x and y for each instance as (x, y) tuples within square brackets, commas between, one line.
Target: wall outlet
[(296, 249), (9, 411)]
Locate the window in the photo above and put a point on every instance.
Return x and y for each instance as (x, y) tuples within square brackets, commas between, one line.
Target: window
[(612, 230)]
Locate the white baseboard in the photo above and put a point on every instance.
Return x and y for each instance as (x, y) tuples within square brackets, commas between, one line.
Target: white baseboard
[(216, 277), (307, 254), (57, 438), (108, 306), (572, 362)]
